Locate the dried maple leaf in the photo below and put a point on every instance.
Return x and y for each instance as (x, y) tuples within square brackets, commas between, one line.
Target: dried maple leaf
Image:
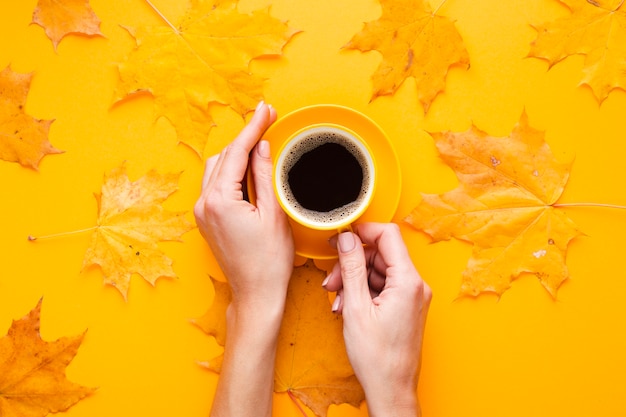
[(131, 221), (312, 363), (504, 205), (414, 42), (32, 371), (595, 29), (60, 18), (23, 139), (202, 60)]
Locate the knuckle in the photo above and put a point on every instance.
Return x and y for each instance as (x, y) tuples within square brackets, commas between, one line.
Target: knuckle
[(428, 294), (207, 205), (352, 269), (393, 228)]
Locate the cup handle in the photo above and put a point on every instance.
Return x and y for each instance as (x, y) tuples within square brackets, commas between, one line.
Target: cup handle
[(346, 228)]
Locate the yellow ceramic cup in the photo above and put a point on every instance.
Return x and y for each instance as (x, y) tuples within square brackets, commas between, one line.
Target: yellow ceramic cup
[(325, 177)]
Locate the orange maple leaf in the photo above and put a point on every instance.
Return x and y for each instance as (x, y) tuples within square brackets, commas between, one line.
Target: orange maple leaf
[(131, 221), (23, 139), (595, 29), (32, 371), (414, 42), (202, 60), (504, 205), (60, 18), (311, 359)]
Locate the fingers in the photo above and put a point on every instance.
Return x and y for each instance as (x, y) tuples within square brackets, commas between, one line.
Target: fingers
[(209, 171), (388, 239), (353, 268), (262, 173), (376, 273), (236, 154)]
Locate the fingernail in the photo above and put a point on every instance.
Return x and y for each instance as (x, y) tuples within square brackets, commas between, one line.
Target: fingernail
[(263, 148), (258, 106), (336, 303), (346, 242), (325, 282)]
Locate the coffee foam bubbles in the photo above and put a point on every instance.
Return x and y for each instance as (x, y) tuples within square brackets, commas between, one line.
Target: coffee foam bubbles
[(308, 141)]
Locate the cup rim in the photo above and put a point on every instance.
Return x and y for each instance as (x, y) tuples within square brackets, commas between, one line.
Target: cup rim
[(344, 221)]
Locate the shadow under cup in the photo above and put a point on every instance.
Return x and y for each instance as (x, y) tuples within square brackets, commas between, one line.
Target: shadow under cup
[(325, 177)]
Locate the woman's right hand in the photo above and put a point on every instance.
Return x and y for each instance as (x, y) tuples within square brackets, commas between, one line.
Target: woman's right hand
[(384, 303)]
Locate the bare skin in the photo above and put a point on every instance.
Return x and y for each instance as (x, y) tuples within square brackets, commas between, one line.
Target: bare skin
[(383, 299)]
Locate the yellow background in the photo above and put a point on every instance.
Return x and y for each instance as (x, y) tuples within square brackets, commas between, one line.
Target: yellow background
[(525, 354)]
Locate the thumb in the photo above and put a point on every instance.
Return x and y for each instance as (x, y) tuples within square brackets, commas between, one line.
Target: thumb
[(356, 293), (262, 167)]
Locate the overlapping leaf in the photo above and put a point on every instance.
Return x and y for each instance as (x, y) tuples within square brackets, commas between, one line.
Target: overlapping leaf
[(414, 42), (312, 362), (60, 18), (203, 59), (504, 205), (213, 322), (595, 29), (23, 139), (131, 220), (32, 371)]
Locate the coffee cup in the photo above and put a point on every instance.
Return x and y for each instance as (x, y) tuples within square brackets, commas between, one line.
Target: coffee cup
[(324, 177)]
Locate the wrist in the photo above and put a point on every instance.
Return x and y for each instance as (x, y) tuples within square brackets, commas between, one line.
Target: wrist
[(254, 318), (396, 402)]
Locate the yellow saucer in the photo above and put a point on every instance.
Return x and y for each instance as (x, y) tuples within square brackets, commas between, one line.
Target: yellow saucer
[(314, 243)]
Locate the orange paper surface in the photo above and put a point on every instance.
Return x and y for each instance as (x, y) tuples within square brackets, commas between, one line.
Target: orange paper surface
[(524, 354)]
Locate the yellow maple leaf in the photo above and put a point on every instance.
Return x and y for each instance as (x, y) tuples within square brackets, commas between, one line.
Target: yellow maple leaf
[(311, 360), (32, 371), (23, 139), (414, 42), (131, 221), (505, 205), (595, 29), (60, 18), (202, 60)]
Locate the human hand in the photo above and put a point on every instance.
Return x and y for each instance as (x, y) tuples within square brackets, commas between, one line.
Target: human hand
[(252, 244), (384, 303)]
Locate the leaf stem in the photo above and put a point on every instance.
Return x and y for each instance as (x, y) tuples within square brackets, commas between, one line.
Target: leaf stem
[(439, 7), (295, 401), (63, 234), (613, 206), (162, 16)]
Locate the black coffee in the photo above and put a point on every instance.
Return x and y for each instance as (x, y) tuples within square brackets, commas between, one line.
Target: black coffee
[(326, 178)]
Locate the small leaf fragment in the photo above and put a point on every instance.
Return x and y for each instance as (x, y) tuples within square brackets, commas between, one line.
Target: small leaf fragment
[(23, 139), (60, 18), (213, 322)]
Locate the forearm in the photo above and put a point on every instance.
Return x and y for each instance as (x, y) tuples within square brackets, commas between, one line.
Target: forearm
[(246, 381)]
